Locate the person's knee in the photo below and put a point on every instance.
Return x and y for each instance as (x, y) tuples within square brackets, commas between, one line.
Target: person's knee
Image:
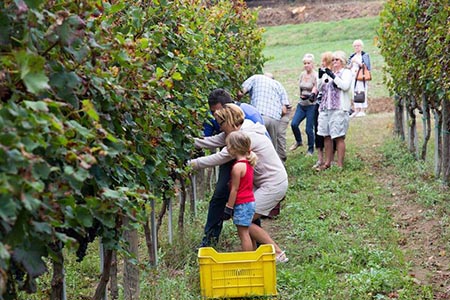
[(295, 124)]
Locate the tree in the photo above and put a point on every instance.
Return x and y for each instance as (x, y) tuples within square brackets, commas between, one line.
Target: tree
[(414, 40)]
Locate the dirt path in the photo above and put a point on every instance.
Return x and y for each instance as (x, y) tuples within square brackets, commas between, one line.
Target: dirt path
[(273, 13), (421, 233)]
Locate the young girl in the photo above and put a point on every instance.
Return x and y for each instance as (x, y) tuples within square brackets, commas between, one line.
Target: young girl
[(241, 202)]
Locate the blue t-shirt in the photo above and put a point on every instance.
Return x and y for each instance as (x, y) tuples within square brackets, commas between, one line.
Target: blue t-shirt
[(211, 127)]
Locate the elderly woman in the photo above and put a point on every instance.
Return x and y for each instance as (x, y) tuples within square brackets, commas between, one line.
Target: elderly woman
[(336, 89), (270, 177), (356, 60)]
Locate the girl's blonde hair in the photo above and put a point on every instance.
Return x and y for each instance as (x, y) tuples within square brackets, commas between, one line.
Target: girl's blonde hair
[(239, 142), (231, 114)]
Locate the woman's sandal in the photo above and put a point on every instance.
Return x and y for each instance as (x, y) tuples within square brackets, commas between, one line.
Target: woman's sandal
[(317, 164), (322, 167), (282, 258)]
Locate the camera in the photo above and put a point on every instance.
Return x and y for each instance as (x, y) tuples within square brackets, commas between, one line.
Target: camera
[(319, 98), (321, 72)]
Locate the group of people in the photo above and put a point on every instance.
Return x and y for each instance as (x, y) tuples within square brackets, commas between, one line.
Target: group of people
[(250, 171), (252, 178), (326, 100)]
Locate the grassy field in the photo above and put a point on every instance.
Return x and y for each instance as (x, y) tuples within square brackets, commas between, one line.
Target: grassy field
[(337, 227), (286, 45)]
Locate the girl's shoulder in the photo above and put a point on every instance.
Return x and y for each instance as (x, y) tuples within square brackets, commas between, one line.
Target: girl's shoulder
[(243, 160), (240, 167), (240, 163)]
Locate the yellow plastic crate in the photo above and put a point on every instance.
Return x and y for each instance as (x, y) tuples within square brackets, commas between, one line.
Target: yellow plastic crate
[(237, 274)]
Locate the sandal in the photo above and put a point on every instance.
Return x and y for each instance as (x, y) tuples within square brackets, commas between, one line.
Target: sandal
[(317, 164), (282, 258), (322, 167)]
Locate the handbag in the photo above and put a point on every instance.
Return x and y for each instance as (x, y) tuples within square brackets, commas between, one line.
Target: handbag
[(363, 73), (359, 97)]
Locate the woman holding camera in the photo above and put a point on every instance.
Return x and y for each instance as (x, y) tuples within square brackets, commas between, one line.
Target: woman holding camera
[(306, 105), (336, 87), (326, 62)]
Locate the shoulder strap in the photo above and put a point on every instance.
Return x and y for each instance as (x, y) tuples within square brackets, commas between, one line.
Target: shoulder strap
[(364, 80)]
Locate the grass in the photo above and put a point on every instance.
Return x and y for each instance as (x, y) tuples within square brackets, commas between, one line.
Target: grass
[(343, 242), (336, 226)]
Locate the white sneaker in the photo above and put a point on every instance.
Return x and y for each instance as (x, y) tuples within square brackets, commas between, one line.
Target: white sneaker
[(361, 114), (282, 258)]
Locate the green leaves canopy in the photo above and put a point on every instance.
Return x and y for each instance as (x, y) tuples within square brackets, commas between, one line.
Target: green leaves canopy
[(414, 40), (97, 103)]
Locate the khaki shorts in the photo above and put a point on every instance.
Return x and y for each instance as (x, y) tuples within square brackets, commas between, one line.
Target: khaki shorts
[(333, 123), (266, 198)]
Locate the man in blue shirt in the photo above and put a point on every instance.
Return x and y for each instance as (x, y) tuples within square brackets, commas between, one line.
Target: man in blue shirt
[(216, 99), (213, 227)]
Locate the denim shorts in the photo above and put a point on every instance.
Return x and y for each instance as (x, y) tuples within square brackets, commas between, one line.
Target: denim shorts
[(243, 213)]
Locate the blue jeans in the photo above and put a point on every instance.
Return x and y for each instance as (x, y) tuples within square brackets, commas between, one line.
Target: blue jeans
[(302, 112), (214, 223)]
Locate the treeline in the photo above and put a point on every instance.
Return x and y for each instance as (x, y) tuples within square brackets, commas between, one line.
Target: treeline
[(415, 43), (99, 100)]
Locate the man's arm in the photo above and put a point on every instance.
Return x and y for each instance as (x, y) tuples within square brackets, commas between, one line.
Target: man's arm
[(241, 93), (210, 128)]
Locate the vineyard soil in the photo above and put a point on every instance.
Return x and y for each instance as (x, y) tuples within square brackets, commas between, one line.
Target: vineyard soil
[(273, 13), (421, 235)]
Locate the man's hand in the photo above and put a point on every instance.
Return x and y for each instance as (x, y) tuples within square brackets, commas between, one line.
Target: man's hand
[(330, 73), (239, 95), (227, 213), (284, 110)]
